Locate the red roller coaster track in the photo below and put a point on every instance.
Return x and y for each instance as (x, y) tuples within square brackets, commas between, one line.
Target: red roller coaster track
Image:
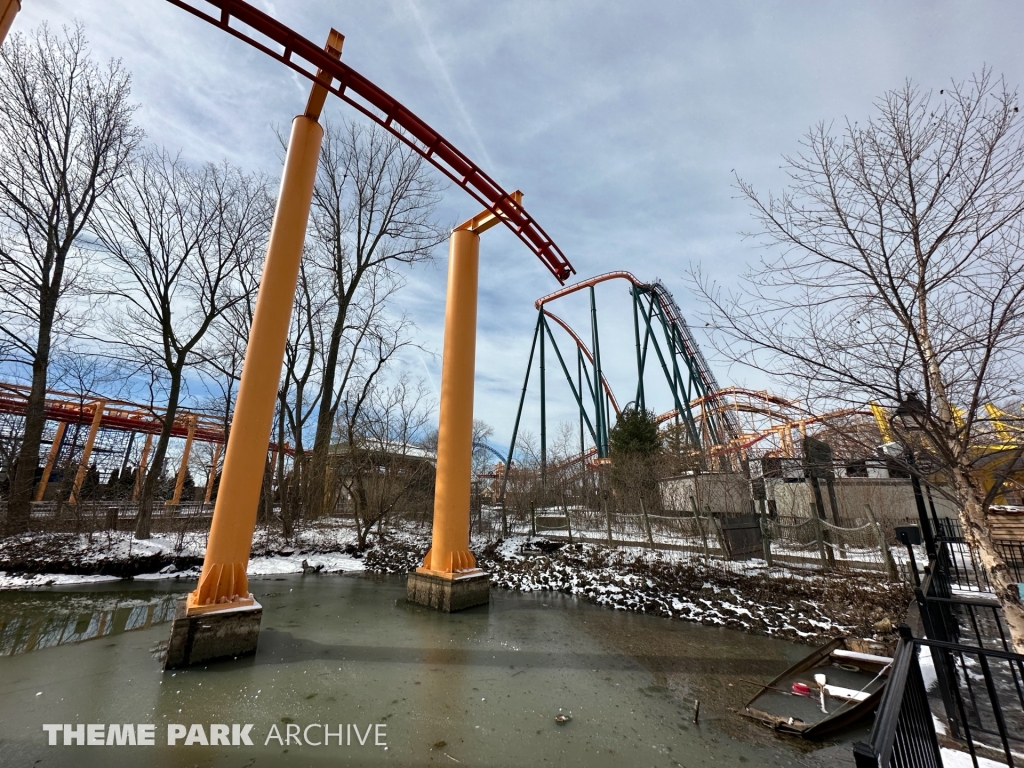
[(306, 58)]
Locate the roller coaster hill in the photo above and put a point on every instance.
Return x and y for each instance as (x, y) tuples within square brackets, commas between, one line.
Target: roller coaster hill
[(709, 428)]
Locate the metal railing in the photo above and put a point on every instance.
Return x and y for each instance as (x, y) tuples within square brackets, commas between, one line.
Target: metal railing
[(952, 618), (977, 696), (1013, 556), (984, 715), (903, 735)]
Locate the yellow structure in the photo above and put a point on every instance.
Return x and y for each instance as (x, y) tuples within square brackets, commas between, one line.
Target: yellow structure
[(987, 455), (83, 465), (223, 582), (8, 10), (51, 457), (449, 553), (179, 483)]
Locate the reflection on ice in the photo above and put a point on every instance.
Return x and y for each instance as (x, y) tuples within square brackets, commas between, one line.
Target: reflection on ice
[(30, 624)]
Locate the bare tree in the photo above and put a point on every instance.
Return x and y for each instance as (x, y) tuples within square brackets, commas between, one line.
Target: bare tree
[(379, 463), (898, 267), (300, 393), (178, 237), (65, 136), (222, 350), (373, 208)]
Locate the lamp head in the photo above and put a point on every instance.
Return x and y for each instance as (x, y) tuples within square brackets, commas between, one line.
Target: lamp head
[(912, 413)]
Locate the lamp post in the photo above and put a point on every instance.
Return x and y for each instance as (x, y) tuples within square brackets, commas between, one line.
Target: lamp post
[(912, 414)]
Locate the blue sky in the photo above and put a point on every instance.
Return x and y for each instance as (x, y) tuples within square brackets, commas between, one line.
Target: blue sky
[(621, 122)]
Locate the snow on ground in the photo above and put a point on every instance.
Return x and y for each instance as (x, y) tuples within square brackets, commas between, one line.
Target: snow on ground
[(951, 758), (331, 562), (802, 607), (745, 595), (35, 560), (11, 581)]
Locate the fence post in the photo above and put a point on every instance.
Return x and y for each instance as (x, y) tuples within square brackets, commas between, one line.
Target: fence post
[(864, 755), (819, 535), (533, 519), (719, 533), (766, 534), (887, 561), (700, 528), (568, 522), (647, 522), (607, 517)]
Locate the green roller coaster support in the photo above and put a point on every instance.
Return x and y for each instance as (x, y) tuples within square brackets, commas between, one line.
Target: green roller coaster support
[(515, 430), (639, 360), (577, 395), (543, 407), (689, 380), (682, 405), (599, 400)]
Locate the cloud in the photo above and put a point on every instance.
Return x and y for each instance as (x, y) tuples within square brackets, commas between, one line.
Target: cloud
[(449, 92), (620, 121)]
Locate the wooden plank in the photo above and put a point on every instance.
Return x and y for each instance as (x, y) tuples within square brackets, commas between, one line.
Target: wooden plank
[(841, 653), (845, 693)]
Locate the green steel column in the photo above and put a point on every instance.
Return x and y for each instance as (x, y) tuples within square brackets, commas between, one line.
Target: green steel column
[(578, 395), (515, 429), (639, 357), (579, 375), (602, 421), (543, 406)]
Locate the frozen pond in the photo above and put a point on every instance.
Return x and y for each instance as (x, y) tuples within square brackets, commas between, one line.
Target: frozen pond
[(479, 688)]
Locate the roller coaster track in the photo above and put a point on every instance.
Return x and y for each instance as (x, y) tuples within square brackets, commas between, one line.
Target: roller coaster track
[(582, 347), (307, 58), (118, 415), (693, 383)]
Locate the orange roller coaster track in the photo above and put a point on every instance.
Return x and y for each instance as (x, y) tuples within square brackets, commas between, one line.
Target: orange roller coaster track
[(307, 58)]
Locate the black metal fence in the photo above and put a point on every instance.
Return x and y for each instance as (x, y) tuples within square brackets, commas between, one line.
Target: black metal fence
[(903, 735), (983, 707), (1013, 555), (955, 618), (975, 685)]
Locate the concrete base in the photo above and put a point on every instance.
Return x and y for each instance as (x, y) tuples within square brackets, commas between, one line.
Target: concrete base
[(228, 633), (448, 594)]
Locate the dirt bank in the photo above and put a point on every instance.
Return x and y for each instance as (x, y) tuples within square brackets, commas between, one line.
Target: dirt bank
[(802, 607)]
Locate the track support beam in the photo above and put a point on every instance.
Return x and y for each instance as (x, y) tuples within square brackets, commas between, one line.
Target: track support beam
[(449, 556)]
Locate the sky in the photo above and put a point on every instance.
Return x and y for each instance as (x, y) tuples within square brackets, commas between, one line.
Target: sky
[(624, 124)]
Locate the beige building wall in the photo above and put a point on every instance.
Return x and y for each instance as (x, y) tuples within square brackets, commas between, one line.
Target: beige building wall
[(726, 493), (892, 500)]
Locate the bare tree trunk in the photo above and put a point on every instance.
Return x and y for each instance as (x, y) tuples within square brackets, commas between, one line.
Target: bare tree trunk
[(65, 137), (19, 505), (144, 517), (979, 538)]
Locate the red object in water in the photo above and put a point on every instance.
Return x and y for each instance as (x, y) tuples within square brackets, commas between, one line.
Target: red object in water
[(801, 689)]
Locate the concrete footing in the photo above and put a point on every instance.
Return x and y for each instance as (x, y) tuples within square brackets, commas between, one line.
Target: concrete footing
[(224, 634), (443, 593)]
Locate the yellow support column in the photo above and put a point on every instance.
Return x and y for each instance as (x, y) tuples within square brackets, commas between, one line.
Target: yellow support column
[(8, 10), (449, 558), (140, 473), (51, 457), (213, 473), (223, 582), (83, 465), (449, 552), (179, 484)]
